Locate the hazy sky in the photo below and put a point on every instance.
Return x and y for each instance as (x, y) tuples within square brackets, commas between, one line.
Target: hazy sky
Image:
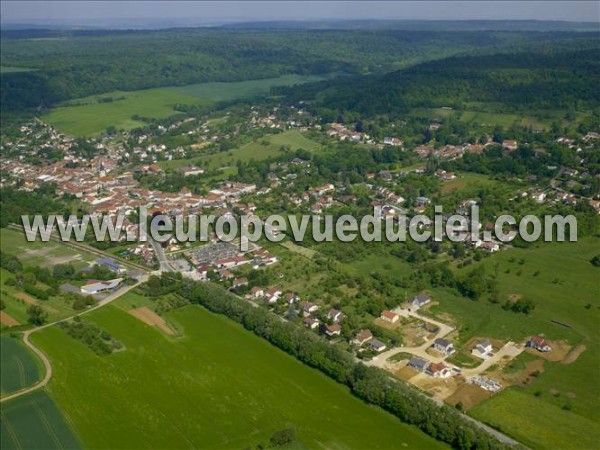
[(206, 11)]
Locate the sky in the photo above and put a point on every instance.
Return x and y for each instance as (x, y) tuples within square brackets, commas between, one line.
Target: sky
[(201, 12)]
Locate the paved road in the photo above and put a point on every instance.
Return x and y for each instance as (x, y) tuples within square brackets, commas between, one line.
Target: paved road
[(45, 361), (420, 351)]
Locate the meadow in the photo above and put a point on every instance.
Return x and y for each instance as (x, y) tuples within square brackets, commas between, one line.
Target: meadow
[(218, 386), (92, 115), (267, 147), (564, 285), (19, 368), (34, 422)]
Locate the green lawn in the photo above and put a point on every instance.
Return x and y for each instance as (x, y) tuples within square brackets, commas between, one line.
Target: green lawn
[(92, 115), (219, 386), (19, 368), (34, 422), (561, 281)]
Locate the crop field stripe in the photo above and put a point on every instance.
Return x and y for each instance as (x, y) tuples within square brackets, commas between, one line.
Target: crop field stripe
[(47, 425), (11, 432), (21, 371)]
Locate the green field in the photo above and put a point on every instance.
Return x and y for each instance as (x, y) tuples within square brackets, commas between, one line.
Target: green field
[(10, 69), (528, 419), (42, 254), (267, 147), (34, 422), (91, 115), (19, 368), (565, 286), (219, 386)]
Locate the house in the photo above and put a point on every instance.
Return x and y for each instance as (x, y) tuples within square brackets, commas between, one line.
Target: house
[(438, 370), (377, 345), (418, 364), (272, 295), (311, 322), (420, 300), (444, 346), (489, 384), (483, 349), (333, 329), (361, 337), (538, 343), (309, 307), (389, 316), (510, 145), (239, 282), (335, 315), (257, 292), (291, 298), (95, 287)]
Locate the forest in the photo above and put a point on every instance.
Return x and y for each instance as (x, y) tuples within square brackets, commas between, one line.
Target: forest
[(504, 82), (67, 65)]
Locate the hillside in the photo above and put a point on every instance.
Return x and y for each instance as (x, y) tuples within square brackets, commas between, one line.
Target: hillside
[(499, 83)]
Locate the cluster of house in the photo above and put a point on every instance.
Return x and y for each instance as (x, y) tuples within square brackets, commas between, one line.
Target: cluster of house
[(366, 337), (435, 370), (222, 257)]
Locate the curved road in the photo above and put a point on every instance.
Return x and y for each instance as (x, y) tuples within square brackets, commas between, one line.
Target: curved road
[(45, 361)]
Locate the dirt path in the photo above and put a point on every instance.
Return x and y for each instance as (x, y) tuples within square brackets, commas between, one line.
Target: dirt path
[(45, 361)]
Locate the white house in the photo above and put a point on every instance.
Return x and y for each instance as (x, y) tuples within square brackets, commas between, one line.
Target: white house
[(483, 349)]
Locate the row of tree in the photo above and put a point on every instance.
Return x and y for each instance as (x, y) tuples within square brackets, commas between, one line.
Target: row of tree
[(368, 383)]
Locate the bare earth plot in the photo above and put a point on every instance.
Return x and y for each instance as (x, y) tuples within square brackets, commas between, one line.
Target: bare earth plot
[(149, 317)]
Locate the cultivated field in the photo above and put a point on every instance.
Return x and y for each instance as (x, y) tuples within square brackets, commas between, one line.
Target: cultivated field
[(219, 386), (19, 368), (34, 422), (94, 114), (564, 285)]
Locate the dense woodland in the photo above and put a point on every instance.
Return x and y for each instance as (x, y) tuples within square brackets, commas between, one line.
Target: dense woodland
[(67, 65), (499, 83)]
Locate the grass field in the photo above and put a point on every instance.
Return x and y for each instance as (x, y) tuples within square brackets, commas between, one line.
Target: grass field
[(475, 115), (565, 286), (267, 147), (8, 69), (527, 418), (219, 386), (42, 254), (34, 422), (91, 115), (19, 368)]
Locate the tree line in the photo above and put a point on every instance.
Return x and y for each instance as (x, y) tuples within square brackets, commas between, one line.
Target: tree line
[(370, 384)]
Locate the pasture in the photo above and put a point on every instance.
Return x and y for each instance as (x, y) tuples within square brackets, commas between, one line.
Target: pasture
[(218, 386), (19, 368), (563, 283), (93, 115), (34, 422)]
